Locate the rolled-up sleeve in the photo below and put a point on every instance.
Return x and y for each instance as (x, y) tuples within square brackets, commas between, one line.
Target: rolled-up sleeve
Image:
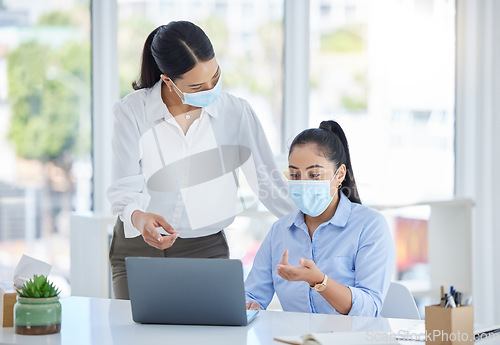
[(259, 285), (127, 192), (374, 266), (265, 178)]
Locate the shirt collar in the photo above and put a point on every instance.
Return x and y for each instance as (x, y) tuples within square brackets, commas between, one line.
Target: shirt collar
[(298, 220), (339, 219), (212, 109), (343, 211), (156, 109)]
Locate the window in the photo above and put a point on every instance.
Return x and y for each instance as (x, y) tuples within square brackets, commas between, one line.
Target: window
[(385, 72), (45, 131)]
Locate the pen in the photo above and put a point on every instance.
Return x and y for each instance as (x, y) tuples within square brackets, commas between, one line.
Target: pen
[(450, 302), (442, 296), (457, 296)]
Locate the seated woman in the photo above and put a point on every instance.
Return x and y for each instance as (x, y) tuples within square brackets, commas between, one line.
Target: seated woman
[(334, 256)]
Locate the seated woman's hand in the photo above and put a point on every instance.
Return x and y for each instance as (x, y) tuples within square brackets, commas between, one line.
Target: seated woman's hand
[(251, 305), (307, 271), (147, 223)]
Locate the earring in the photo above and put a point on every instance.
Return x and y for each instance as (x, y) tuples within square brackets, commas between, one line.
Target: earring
[(339, 186)]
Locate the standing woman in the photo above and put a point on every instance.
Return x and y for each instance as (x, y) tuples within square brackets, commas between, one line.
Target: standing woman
[(178, 144)]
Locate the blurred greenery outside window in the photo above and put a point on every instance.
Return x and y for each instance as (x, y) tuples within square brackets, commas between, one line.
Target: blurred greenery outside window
[(46, 140)]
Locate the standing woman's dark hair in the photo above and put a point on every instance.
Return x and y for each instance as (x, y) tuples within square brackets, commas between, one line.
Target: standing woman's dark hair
[(172, 50), (332, 142)]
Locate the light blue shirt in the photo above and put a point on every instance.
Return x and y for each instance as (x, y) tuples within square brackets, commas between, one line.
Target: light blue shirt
[(355, 248)]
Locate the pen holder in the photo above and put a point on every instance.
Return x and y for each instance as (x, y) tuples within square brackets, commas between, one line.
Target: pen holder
[(449, 326)]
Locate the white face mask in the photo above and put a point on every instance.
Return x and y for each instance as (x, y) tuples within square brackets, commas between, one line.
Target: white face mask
[(201, 99), (312, 197)]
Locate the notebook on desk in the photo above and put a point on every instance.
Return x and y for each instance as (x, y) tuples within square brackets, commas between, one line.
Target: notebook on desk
[(187, 291)]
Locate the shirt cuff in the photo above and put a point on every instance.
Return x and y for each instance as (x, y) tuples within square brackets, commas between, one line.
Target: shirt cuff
[(129, 230), (356, 302), (363, 303), (249, 297)]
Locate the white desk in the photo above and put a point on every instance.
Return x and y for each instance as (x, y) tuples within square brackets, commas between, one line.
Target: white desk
[(103, 321)]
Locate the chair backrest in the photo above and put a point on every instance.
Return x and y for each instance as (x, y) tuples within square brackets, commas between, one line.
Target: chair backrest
[(399, 303)]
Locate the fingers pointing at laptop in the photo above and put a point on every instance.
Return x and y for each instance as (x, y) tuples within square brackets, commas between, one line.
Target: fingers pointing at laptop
[(251, 305), (147, 223)]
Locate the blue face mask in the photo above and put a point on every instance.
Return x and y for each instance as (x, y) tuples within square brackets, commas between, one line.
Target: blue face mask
[(201, 99), (312, 197)]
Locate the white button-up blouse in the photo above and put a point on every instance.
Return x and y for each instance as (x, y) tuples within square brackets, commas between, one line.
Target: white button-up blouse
[(191, 180)]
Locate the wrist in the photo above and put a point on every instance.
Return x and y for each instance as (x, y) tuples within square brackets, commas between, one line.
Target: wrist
[(322, 285), (317, 279), (134, 216)]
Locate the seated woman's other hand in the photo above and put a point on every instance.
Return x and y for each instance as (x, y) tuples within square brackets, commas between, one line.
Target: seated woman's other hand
[(251, 305), (307, 271)]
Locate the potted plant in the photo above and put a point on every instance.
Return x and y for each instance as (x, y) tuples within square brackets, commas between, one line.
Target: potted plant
[(37, 310)]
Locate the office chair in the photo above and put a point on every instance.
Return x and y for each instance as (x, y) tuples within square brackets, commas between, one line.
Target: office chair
[(399, 303)]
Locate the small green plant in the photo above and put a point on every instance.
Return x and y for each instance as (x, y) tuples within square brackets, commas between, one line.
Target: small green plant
[(38, 287)]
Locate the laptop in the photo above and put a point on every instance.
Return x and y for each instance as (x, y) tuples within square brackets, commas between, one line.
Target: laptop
[(186, 291)]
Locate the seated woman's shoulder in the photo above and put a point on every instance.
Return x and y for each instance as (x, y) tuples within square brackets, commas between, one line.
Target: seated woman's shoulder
[(367, 210), (369, 214)]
